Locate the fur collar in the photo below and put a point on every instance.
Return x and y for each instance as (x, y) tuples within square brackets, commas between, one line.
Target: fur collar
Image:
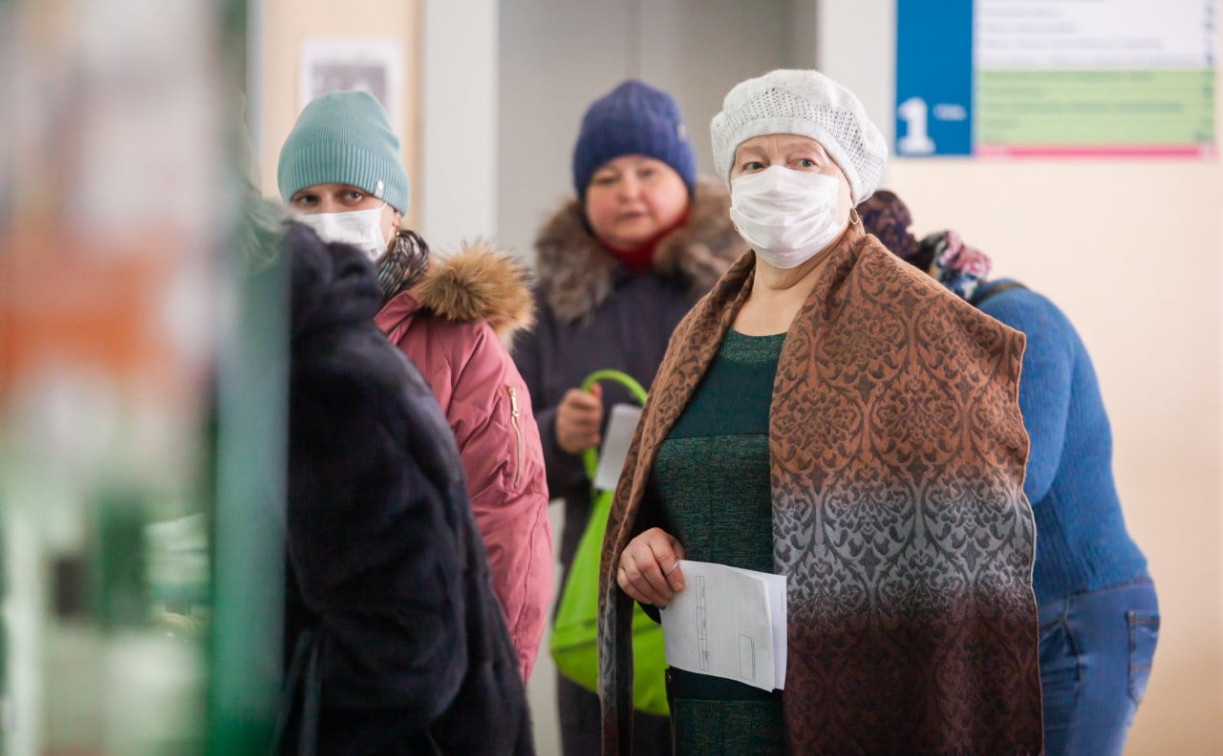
[(478, 284), (576, 274)]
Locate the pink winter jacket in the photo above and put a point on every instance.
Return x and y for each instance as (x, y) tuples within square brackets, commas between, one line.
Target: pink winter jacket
[(454, 325)]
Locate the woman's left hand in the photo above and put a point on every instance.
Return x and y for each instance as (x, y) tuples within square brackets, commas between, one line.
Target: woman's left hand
[(649, 568)]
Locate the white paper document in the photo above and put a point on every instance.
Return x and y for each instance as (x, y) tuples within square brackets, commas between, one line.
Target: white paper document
[(620, 429), (728, 622)]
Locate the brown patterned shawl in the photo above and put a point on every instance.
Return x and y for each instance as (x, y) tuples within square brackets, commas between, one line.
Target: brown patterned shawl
[(897, 460)]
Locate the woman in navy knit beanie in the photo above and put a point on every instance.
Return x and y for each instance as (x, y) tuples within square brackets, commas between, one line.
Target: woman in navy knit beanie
[(618, 266), (1099, 619)]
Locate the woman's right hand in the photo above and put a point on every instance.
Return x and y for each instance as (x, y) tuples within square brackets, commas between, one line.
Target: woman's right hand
[(649, 568), (578, 419)]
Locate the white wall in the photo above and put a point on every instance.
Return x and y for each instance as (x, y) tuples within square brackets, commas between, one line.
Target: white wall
[(1132, 251), (456, 197)]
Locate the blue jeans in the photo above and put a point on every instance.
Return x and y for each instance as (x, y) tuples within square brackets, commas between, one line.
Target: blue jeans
[(1095, 657)]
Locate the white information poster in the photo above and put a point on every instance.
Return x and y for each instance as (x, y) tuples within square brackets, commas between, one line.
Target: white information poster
[(1056, 78), (369, 64), (1106, 77)]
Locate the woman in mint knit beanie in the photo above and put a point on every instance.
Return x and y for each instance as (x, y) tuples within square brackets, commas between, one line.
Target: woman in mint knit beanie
[(1099, 618), (342, 173)]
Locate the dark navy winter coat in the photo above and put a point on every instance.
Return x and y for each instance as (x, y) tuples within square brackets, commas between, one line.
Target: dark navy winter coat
[(388, 580)]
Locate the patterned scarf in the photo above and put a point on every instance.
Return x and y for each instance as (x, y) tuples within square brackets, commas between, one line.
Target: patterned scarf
[(958, 267), (403, 264), (896, 465)]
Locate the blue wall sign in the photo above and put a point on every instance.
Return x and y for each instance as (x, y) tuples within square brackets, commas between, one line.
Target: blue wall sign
[(934, 77)]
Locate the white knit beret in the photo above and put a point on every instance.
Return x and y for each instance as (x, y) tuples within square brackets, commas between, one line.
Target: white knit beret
[(809, 104)]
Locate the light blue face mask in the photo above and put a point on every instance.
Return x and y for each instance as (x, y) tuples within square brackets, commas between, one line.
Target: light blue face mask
[(360, 228)]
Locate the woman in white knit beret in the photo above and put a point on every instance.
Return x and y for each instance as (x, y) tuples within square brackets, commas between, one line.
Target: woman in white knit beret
[(829, 414)]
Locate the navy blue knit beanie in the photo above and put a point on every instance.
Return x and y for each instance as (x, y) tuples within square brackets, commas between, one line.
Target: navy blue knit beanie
[(633, 119)]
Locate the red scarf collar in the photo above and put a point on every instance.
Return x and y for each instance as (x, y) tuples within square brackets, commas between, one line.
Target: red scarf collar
[(641, 259)]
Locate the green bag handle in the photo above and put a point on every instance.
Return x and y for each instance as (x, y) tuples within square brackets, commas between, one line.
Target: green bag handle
[(573, 644), (590, 457)]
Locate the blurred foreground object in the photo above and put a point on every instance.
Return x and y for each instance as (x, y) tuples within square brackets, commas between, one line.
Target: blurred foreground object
[(115, 302)]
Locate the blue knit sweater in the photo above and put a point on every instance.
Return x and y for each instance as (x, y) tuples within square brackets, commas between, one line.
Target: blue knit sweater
[(1081, 540)]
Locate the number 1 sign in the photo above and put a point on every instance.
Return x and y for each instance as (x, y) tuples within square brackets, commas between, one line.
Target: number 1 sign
[(916, 140), (934, 77)]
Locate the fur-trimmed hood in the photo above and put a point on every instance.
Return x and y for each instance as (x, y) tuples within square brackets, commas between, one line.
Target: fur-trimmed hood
[(478, 284), (576, 274)]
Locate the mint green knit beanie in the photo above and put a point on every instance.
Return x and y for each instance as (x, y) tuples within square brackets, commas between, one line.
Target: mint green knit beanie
[(344, 138)]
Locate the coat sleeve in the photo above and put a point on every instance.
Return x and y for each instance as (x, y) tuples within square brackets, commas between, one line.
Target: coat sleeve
[(376, 544), (1044, 381), (565, 474), (490, 413)]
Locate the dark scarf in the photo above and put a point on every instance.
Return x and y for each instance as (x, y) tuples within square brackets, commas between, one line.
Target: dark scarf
[(897, 456), (403, 264), (944, 255), (957, 266)]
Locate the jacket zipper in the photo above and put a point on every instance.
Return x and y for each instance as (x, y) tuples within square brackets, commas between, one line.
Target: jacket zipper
[(517, 434)]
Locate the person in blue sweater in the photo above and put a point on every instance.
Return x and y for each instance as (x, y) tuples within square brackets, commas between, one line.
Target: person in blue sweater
[(1099, 618)]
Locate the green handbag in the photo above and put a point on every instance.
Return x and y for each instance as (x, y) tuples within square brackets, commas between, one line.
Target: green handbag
[(574, 643)]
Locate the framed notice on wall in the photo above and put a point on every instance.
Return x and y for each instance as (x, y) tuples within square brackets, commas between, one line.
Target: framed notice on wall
[(370, 64), (1014, 78)]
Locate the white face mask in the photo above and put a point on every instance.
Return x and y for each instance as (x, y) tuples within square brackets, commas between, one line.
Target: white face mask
[(786, 216), (360, 228)]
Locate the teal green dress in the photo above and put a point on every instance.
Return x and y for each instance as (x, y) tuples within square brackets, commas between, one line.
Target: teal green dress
[(710, 485)]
